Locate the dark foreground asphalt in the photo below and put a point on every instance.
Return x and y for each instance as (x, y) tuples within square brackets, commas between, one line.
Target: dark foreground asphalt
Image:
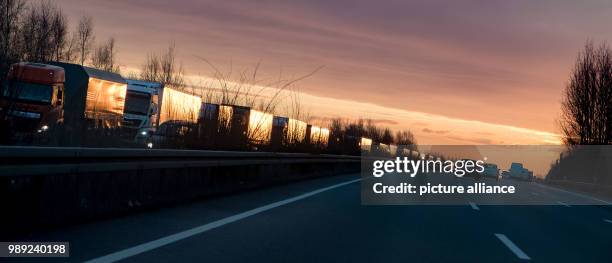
[(333, 226)]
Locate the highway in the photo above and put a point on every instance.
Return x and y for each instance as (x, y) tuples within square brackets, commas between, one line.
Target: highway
[(323, 220)]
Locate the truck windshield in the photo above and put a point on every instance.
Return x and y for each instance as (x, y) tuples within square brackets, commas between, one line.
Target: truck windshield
[(32, 92), (137, 103)]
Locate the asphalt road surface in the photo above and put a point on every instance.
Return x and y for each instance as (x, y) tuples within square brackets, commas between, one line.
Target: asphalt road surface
[(323, 220)]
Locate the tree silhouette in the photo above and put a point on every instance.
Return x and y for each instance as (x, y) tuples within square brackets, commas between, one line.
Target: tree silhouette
[(587, 103)]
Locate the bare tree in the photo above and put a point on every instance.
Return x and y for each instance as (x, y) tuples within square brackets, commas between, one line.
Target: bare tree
[(405, 138), (35, 33), (587, 104), (59, 31), (10, 13), (104, 57), (85, 37), (372, 131), (164, 69), (132, 75), (71, 49), (172, 73), (356, 129), (387, 137), (151, 68), (344, 133), (42, 32)]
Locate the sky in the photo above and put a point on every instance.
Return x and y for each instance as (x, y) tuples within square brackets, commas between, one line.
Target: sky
[(454, 72)]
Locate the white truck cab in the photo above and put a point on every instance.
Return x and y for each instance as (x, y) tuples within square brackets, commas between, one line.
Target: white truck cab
[(142, 106)]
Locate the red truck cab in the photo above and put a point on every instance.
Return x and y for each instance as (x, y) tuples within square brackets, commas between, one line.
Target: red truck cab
[(32, 96)]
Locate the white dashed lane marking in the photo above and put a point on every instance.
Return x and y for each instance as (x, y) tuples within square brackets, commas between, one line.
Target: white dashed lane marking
[(513, 247)]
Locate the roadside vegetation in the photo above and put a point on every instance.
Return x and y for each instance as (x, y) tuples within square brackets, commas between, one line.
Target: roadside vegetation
[(586, 120)]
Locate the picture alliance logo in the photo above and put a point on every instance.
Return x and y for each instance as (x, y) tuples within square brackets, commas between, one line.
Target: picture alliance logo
[(400, 165)]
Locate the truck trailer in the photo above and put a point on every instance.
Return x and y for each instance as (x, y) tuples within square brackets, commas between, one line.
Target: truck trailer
[(242, 127), (93, 105), (208, 126), (279, 136), (319, 137), (260, 127), (296, 133), (179, 106), (174, 122)]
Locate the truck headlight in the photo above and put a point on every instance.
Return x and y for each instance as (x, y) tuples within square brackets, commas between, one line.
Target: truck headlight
[(42, 129)]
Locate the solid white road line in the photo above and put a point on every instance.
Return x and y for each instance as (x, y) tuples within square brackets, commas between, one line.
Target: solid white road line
[(129, 252), (608, 220), (515, 249), (575, 194), (474, 206), (563, 204)]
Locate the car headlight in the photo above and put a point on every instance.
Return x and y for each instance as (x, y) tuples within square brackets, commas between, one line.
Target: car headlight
[(143, 133)]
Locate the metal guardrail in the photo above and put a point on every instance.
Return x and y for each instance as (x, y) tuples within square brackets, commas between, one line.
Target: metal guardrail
[(30, 160), (34, 151), (584, 185), (43, 186), (601, 191)]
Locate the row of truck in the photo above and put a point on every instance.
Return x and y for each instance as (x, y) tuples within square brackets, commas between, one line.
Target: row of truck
[(73, 105)]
